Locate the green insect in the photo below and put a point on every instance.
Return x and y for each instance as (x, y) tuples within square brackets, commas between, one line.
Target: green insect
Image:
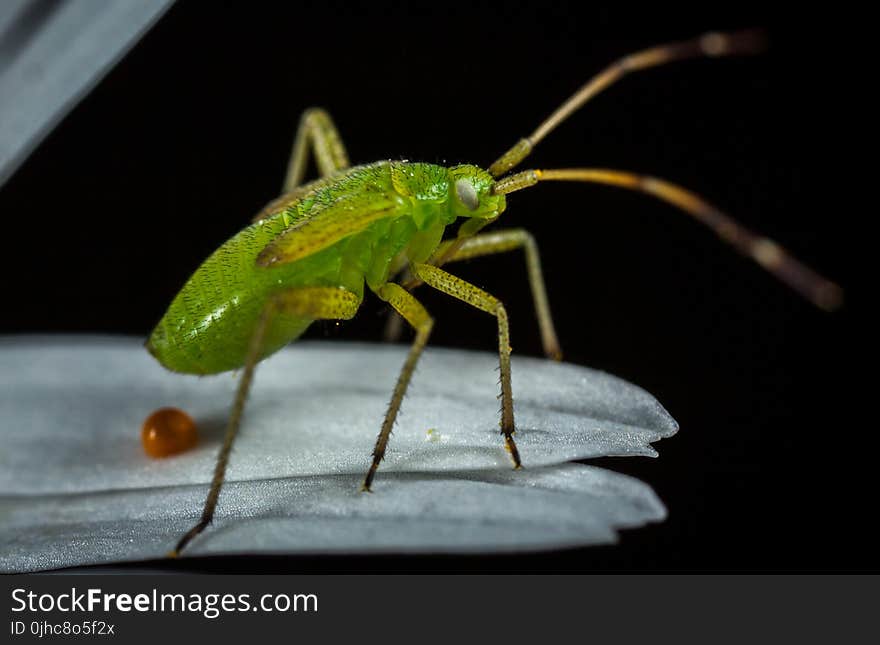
[(309, 254)]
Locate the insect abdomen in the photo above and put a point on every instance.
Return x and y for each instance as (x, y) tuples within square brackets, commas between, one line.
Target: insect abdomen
[(209, 324)]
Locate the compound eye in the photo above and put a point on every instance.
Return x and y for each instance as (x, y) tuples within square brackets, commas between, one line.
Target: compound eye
[(467, 194)]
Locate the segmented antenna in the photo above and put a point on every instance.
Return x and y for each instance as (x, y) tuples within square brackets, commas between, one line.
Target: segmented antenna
[(819, 290), (712, 45)]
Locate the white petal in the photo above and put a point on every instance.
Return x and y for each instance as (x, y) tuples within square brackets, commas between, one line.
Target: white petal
[(77, 488), (453, 512)]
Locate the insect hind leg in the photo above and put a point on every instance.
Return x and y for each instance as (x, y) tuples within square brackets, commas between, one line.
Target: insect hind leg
[(316, 129), (316, 303)]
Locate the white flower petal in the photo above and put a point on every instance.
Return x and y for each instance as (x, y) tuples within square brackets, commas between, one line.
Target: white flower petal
[(452, 512), (76, 487)]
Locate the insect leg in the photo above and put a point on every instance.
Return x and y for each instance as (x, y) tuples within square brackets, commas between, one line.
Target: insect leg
[(476, 297), (316, 129), (490, 244), (394, 323), (415, 314), (393, 327), (309, 302), (503, 242)]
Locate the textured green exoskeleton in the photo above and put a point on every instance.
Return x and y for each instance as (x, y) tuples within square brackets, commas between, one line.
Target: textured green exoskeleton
[(310, 253), (351, 230)]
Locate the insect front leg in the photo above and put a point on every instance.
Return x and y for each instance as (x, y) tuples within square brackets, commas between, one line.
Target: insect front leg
[(415, 314), (316, 303), (476, 297), (503, 242), (491, 244), (394, 324)]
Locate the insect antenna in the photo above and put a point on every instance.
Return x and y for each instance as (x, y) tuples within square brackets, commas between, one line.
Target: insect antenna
[(820, 291), (714, 44)]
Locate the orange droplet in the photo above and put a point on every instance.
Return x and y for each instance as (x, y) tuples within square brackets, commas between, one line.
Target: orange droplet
[(168, 431)]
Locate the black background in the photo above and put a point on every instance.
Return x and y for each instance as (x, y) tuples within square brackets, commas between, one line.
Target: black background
[(186, 139)]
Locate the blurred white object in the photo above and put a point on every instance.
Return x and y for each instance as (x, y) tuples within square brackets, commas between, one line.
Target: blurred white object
[(52, 53), (76, 487)]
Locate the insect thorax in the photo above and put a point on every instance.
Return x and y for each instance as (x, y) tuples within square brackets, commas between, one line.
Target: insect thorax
[(438, 189)]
